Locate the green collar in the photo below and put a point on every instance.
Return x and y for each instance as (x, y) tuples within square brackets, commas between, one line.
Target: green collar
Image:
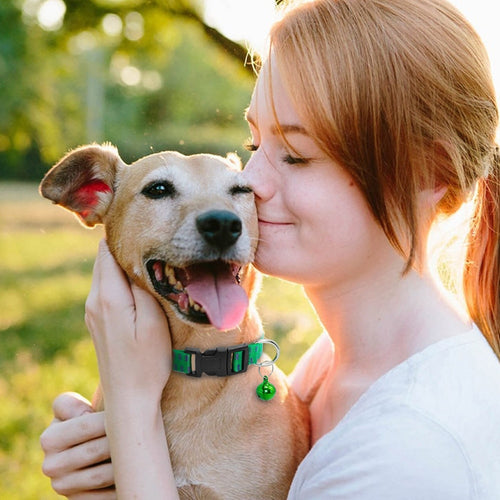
[(221, 361)]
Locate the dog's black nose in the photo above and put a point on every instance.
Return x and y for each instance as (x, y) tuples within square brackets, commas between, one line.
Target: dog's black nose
[(220, 228)]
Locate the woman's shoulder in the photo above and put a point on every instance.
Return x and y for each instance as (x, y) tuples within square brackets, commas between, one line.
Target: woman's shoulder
[(452, 386), (426, 429), (456, 380), (450, 378), (397, 453), (312, 367)]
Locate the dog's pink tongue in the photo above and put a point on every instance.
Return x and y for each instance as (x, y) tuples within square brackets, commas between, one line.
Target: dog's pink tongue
[(214, 287)]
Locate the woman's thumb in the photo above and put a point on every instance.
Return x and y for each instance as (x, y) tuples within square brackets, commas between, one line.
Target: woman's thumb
[(70, 405)]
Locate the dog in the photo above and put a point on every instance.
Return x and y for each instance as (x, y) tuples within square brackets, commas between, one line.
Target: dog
[(185, 229)]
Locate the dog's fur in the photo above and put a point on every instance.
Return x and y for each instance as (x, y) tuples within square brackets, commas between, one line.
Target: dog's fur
[(224, 442)]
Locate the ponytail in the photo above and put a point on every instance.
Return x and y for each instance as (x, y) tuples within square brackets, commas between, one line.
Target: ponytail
[(482, 266)]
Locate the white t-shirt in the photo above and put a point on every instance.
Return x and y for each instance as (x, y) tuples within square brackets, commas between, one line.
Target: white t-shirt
[(429, 429)]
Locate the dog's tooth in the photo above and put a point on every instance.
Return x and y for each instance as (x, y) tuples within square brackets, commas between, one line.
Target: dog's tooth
[(196, 307), (169, 272), (191, 302), (179, 286)]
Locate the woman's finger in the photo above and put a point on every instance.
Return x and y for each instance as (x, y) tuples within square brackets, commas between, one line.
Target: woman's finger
[(70, 405), (78, 457), (110, 273), (92, 478), (108, 278), (60, 436), (109, 292), (148, 311)]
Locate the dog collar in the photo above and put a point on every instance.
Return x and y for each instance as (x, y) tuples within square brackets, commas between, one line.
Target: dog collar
[(220, 362)]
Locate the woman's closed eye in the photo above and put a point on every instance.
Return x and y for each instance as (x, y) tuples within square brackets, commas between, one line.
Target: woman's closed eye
[(294, 160), (286, 158)]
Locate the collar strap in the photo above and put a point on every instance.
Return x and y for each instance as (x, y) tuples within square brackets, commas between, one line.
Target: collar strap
[(221, 361)]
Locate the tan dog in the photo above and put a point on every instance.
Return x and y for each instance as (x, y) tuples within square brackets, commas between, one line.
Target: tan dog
[(185, 228)]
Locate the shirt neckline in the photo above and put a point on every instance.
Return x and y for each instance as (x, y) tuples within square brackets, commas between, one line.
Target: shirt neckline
[(462, 338)]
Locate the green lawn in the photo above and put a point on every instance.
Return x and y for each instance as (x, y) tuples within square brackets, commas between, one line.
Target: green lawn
[(46, 260)]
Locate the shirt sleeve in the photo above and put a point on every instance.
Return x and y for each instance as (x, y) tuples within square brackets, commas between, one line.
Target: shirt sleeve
[(400, 456)]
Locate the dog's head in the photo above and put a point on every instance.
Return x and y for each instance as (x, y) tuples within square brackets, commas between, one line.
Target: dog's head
[(184, 227)]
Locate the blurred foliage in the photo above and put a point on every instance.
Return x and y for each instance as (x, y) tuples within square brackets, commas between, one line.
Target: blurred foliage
[(145, 75), (46, 261)]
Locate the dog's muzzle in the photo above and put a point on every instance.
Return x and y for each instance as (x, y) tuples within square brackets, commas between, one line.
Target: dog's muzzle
[(207, 293)]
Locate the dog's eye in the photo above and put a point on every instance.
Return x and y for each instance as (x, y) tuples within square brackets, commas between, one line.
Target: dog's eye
[(159, 189), (240, 190)]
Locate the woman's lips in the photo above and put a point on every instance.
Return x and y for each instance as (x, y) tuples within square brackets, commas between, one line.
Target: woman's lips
[(264, 222)]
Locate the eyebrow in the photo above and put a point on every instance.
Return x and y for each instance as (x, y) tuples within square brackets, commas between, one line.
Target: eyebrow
[(289, 129), (281, 129)]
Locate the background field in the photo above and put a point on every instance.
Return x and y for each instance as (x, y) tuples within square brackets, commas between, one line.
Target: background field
[(46, 261)]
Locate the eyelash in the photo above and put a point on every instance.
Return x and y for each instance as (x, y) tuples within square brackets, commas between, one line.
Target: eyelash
[(295, 160), (250, 147), (287, 158)]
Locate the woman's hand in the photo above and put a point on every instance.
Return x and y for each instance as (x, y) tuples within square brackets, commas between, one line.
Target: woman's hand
[(130, 333), (132, 341), (77, 451)]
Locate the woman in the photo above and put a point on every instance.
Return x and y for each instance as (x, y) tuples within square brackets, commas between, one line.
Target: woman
[(370, 120)]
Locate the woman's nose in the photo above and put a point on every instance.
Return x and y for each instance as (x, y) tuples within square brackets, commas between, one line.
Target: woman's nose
[(259, 175)]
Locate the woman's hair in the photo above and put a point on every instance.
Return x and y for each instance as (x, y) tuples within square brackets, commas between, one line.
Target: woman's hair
[(400, 93)]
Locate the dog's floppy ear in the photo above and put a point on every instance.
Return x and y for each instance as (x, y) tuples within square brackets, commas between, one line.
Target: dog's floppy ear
[(234, 161), (83, 181)]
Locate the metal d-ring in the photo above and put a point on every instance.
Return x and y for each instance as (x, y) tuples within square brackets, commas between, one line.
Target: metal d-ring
[(269, 374), (269, 362)]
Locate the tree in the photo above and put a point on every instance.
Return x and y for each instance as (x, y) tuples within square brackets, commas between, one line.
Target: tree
[(143, 74)]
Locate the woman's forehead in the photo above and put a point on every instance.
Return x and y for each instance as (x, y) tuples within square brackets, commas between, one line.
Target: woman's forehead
[(270, 104)]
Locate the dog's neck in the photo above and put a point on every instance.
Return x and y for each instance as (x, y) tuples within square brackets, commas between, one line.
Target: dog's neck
[(204, 390)]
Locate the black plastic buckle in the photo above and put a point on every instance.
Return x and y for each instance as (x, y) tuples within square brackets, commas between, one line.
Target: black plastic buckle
[(218, 361)]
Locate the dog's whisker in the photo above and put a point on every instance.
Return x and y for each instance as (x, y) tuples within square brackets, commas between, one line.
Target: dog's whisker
[(261, 240)]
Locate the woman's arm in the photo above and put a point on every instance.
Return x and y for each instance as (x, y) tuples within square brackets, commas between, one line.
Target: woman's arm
[(140, 456), (132, 342)]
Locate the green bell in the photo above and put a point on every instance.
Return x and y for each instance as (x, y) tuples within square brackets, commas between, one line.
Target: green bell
[(266, 390)]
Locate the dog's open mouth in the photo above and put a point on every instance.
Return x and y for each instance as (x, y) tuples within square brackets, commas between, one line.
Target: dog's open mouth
[(208, 292)]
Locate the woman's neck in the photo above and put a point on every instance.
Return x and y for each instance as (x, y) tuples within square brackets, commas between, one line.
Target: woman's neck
[(381, 322)]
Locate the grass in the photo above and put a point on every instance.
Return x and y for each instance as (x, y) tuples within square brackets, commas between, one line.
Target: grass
[(46, 261)]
